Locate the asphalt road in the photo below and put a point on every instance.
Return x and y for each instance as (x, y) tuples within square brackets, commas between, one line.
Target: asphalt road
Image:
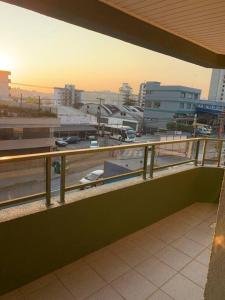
[(28, 179)]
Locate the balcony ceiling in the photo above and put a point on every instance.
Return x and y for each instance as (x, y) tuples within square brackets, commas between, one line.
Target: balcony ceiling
[(187, 29)]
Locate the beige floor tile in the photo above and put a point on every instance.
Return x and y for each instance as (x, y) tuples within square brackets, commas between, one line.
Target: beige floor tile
[(190, 219), (14, 295), (196, 272), (96, 255), (38, 283), (133, 286), (149, 243), (172, 257), (70, 267), (109, 267), (130, 253), (180, 288), (159, 295), (53, 291), (206, 227), (204, 257), (82, 282), (188, 246), (166, 234), (200, 236), (154, 270), (107, 293)]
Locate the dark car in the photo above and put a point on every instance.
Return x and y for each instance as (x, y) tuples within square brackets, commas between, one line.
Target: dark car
[(72, 139)]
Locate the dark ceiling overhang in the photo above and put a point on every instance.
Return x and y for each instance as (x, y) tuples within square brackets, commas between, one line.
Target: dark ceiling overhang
[(102, 18)]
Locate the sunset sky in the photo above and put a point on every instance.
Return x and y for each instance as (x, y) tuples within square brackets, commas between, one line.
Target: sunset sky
[(47, 52)]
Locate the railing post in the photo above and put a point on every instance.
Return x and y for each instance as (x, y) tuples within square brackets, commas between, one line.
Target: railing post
[(204, 152), (48, 180), (63, 179), (219, 152), (145, 163), (197, 152), (152, 161)]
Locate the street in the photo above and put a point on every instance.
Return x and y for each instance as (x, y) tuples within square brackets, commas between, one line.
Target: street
[(26, 178)]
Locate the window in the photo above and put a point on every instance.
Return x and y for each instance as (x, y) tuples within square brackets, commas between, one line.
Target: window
[(181, 105), (182, 94), (148, 104), (189, 95), (195, 96), (188, 105), (156, 104)]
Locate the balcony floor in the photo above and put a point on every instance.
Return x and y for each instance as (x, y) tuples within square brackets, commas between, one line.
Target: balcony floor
[(167, 260)]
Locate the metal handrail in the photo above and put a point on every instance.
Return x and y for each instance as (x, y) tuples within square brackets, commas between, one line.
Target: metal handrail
[(63, 154)]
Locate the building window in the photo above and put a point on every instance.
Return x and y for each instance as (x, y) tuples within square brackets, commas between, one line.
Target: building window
[(181, 105), (182, 94), (188, 105), (195, 96), (156, 104), (148, 104), (189, 95)]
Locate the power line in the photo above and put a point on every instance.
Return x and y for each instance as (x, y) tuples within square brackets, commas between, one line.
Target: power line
[(32, 85)]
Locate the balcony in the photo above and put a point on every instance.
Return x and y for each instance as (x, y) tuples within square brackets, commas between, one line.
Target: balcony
[(166, 260), (146, 235)]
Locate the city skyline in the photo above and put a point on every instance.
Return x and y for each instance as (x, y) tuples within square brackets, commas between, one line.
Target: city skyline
[(51, 53)]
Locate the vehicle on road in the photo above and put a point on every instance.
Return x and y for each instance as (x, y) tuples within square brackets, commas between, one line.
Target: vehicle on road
[(93, 176), (72, 139), (121, 133), (94, 144), (61, 143), (138, 134), (203, 130)]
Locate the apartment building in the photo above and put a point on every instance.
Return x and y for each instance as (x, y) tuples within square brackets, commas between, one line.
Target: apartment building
[(217, 85), (4, 85), (163, 102)]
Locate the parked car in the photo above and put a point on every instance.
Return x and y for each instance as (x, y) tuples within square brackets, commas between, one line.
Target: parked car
[(61, 143), (138, 134), (94, 144), (72, 139), (93, 176)]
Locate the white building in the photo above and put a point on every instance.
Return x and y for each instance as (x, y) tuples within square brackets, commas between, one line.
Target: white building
[(65, 96), (217, 84), (142, 93), (4, 85), (126, 91), (106, 97)]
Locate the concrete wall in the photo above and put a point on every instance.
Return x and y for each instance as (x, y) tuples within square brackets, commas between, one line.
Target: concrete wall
[(38, 243)]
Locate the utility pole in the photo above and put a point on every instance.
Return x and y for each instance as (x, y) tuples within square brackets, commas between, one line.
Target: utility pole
[(21, 100), (99, 114), (39, 103), (194, 125), (221, 125)]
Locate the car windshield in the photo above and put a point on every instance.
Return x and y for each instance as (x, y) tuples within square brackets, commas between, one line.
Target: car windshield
[(91, 176), (94, 143), (130, 133)]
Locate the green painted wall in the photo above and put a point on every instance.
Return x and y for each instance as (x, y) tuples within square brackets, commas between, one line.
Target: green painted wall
[(34, 245)]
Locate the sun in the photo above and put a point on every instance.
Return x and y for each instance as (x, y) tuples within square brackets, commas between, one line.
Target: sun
[(6, 63)]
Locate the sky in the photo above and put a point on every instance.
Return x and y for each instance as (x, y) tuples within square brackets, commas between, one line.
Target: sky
[(43, 51)]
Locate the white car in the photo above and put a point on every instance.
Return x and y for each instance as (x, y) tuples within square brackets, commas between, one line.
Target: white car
[(93, 176), (94, 144)]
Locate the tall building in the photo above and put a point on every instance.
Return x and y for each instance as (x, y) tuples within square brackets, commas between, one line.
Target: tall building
[(217, 84), (67, 96), (142, 93), (4, 85), (126, 91)]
